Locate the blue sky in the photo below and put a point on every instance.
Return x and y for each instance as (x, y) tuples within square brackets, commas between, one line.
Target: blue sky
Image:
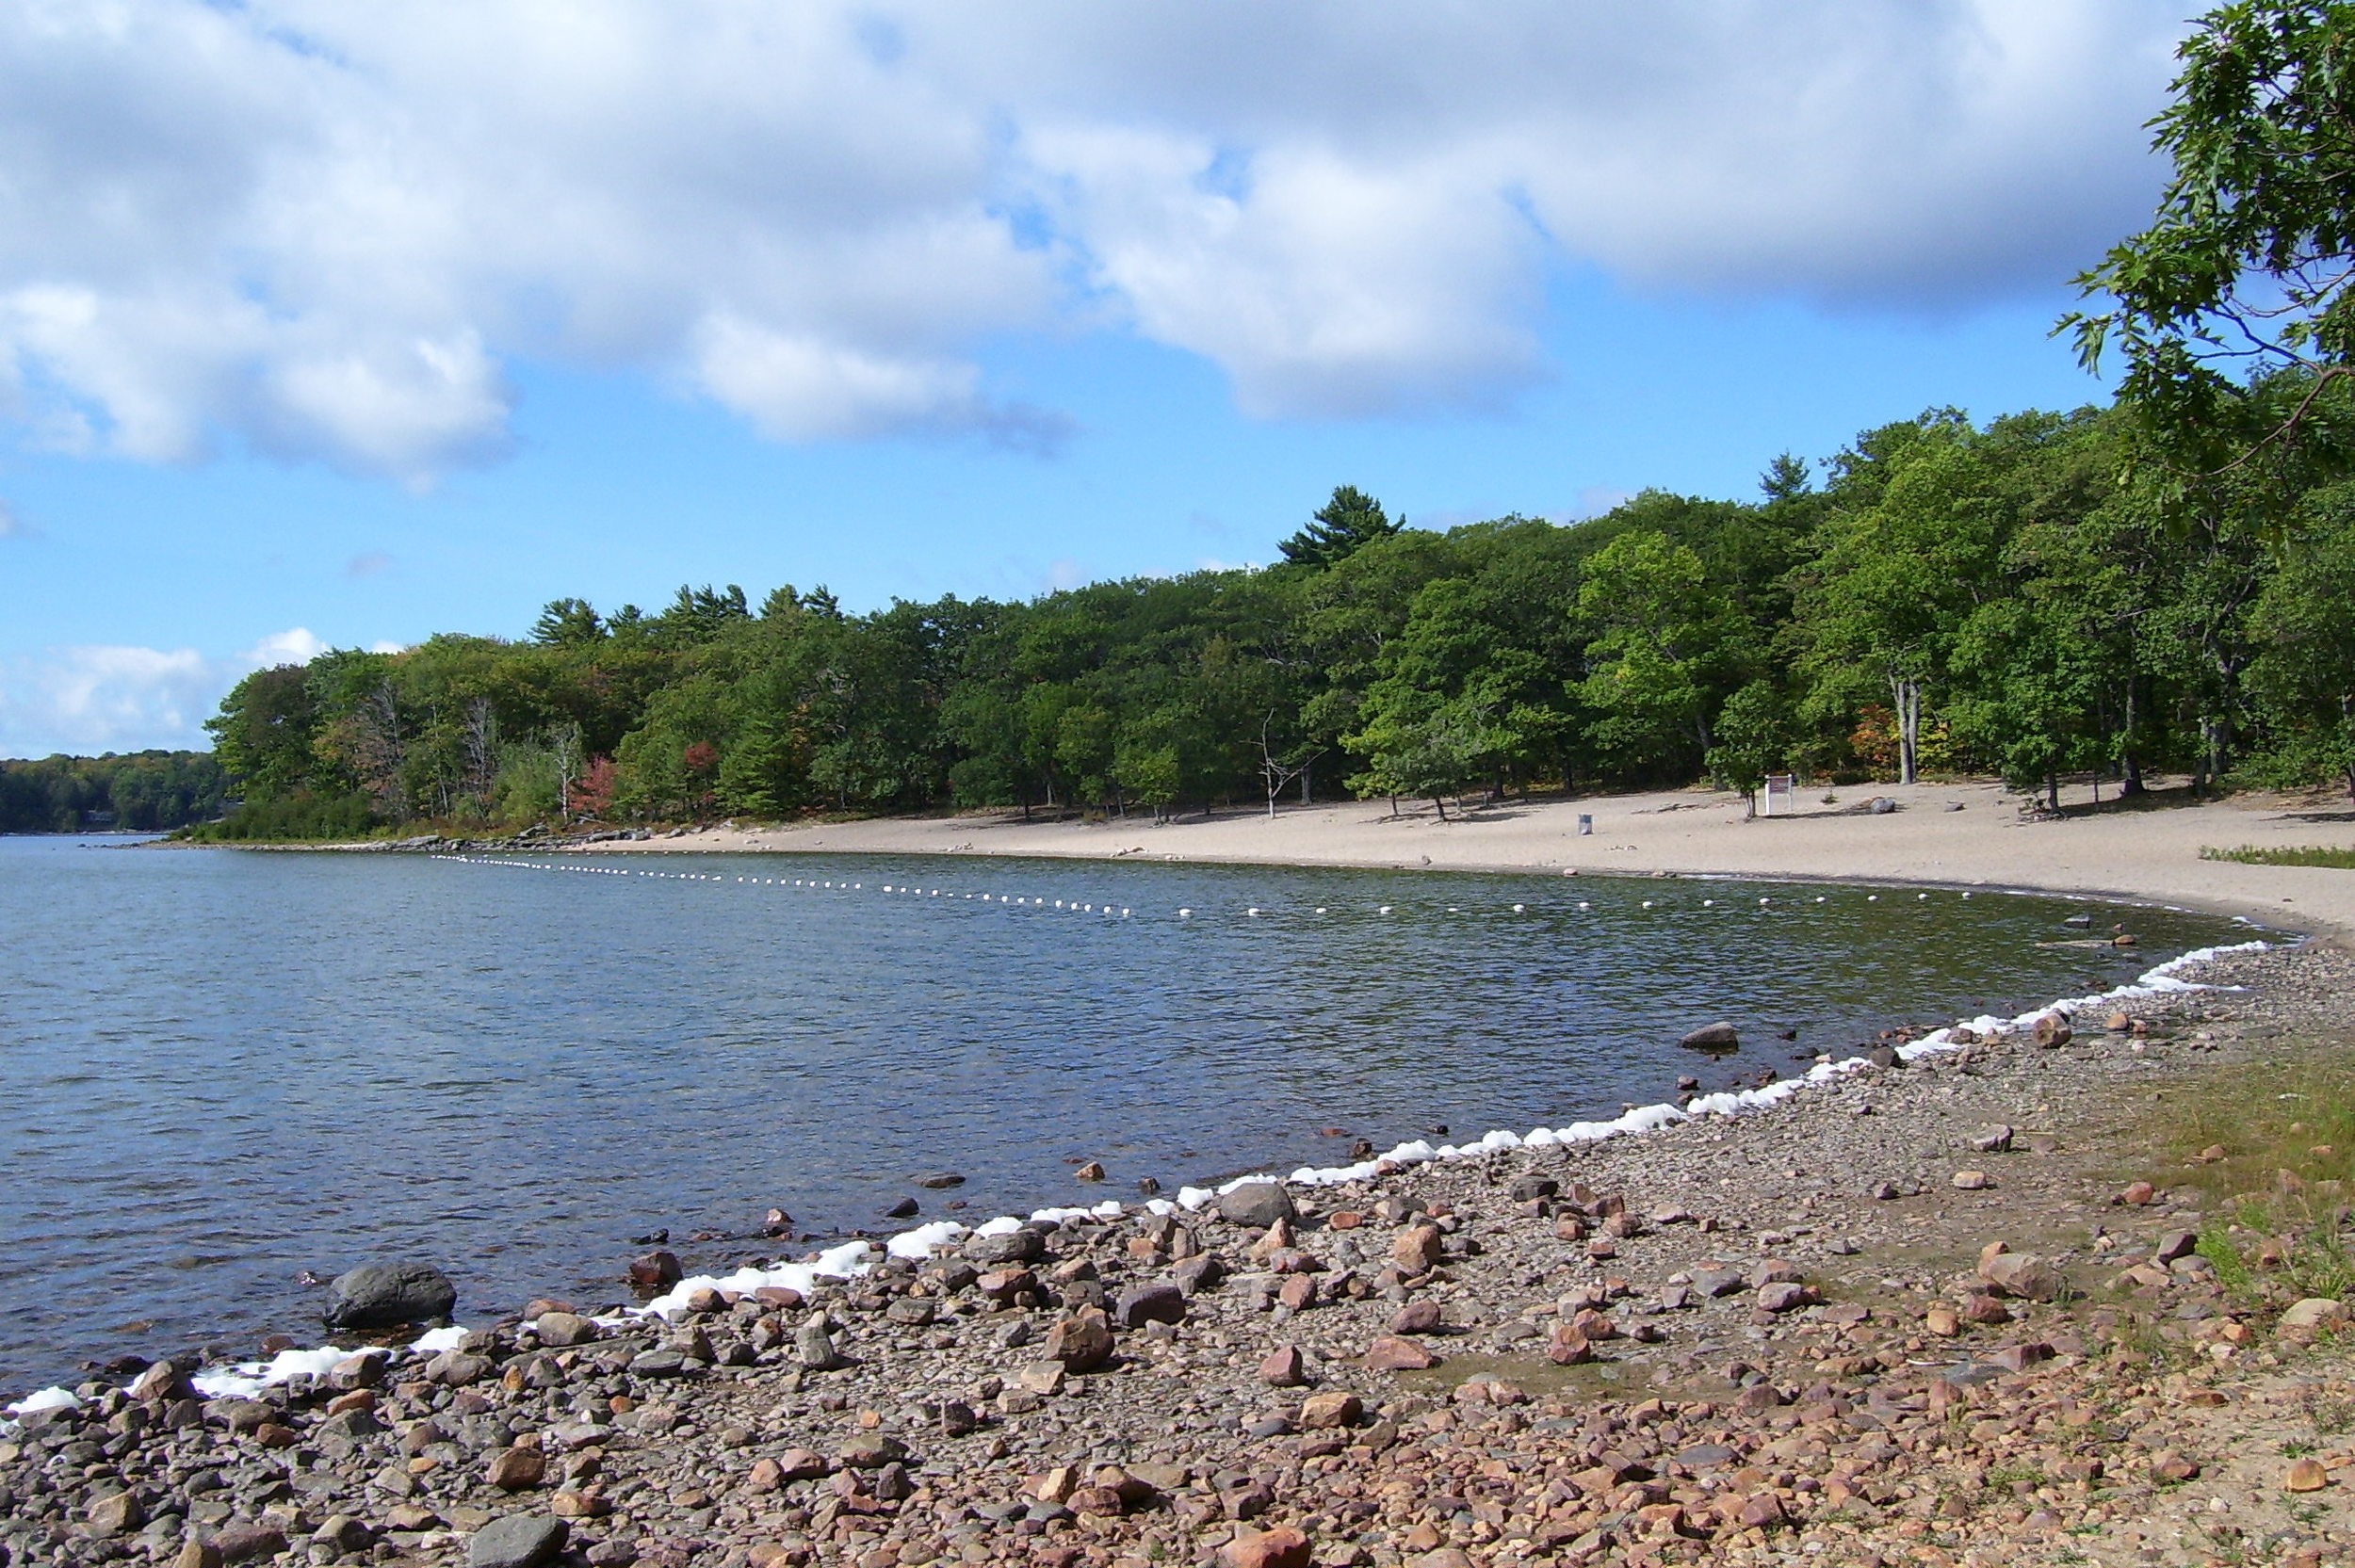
[(350, 336)]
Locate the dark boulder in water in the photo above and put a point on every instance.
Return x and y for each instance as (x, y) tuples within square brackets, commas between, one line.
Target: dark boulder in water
[(389, 1295), (1713, 1037)]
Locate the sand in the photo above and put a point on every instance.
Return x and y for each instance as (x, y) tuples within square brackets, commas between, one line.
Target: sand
[(2148, 852)]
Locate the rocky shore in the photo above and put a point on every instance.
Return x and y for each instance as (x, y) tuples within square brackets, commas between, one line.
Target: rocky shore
[(1943, 1313)]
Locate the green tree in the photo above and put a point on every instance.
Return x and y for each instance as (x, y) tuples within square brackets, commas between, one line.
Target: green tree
[(2233, 312), (1343, 525)]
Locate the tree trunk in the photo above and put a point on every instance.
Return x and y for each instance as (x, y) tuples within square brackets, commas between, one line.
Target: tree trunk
[(1308, 771), (1908, 695), (2051, 791), (1441, 801)]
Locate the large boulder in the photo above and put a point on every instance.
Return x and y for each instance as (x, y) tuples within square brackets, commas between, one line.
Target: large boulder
[(1719, 1036), (1258, 1205), (389, 1295)]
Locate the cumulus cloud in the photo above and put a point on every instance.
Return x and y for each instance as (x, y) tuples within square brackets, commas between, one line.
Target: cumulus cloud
[(322, 232), (92, 699)]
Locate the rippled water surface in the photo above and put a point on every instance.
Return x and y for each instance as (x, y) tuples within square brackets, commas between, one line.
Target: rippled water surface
[(223, 1068)]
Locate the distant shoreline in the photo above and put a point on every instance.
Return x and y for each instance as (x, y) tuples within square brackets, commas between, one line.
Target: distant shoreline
[(1966, 835)]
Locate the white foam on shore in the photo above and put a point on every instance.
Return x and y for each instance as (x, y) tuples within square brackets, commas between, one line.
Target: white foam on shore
[(853, 1258)]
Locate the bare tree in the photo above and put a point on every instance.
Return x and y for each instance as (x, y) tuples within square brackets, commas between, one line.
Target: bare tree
[(1277, 772)]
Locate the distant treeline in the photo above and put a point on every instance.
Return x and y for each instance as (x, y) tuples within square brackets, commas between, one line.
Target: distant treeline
[(147, 790), (1939, 596)]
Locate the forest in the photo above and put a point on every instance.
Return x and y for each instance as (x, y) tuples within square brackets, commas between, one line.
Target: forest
[(148, 791), (1941, 596)]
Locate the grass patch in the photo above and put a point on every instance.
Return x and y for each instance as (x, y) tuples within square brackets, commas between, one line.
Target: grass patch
[(2307, 854), (2271, 1146)]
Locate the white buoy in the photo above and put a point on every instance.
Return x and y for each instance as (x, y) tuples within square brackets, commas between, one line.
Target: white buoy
[(1185, 914), (1764, 902), (1252, 912), (1521, 909), (1872, 897), (1648, 903), (1709, 903), (1584, 905), (1319, 909), (1383, 910)]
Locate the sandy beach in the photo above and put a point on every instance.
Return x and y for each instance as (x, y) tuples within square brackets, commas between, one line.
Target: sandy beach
[(1969, 834)]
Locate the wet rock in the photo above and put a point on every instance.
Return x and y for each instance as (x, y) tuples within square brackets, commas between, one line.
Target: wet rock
[(1719, 1036), (1256, 1204), (940, 1179), (657, 1270), (518, 1541), (906, 1208), (1092, 1171), (388, 1296)]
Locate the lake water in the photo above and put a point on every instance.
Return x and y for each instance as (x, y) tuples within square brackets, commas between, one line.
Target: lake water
[(224, 1068)]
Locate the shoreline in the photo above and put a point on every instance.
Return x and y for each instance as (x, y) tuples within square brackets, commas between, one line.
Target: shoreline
[(928, 1402), (1948, 835)]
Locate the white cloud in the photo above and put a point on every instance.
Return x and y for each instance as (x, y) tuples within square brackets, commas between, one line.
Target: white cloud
[(321, 230), (94, 698), (12, 526)]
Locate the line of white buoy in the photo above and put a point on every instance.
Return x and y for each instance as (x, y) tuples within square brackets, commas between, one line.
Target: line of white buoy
[(1075, 906)]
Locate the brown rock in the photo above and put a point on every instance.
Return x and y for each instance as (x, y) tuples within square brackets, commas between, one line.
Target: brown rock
[(1390, 1354), (1081, 1342), (1762, 1511), (563, 1328), (2137, 1194), (1298, 1292), (2052, 1029), (243, 1539), (1417, 1318), (1282, 1547), (117, 1515), (2168, 1465), (1943, 1322), (1324, 1411), (656, 1271), (1417, 1248), (517, 1469), (1569, 1346), (2312, 1316), (197, 1554), (2021, 1274), (1282, 1369), (1972, 1181), (1986, 1311), (2306, 1476)]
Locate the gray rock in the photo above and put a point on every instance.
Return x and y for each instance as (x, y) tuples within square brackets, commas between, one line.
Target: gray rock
[(518, 1541), (388, 1295), (815, 1347), (1018, 1246), (1150, 1304), (1720, 1036), (940, 1179), (1258, 1205)]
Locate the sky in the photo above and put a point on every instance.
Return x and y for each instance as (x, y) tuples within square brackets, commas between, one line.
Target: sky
[(331, 325)]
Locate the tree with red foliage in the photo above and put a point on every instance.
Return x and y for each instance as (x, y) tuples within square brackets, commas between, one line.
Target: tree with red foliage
[(593, 792)]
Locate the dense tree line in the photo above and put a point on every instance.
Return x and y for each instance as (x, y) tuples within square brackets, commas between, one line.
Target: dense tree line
[(1939, 596), (146, 790)]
